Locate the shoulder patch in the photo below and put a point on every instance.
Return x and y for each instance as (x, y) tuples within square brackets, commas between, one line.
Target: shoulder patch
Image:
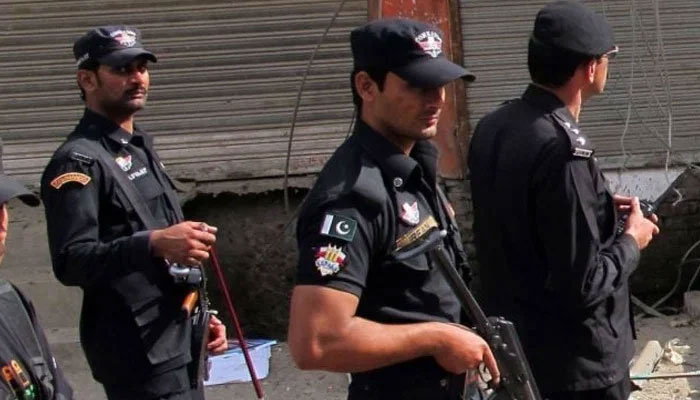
[(339, 227), (83, 158), (329, 260), (70, 177)]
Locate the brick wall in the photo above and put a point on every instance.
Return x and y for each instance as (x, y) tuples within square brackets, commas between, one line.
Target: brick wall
[(680, 229)]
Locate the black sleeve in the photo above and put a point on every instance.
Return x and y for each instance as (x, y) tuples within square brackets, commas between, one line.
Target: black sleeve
[(333, 260), (72, 218), (582, 271), (61, 385)]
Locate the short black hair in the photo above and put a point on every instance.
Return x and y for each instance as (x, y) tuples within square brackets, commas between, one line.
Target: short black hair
[(552, 66), (378, 75), (90, 65)]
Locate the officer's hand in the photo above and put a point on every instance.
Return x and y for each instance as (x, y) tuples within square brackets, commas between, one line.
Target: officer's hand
[(186, 243), (623, 203), (641, 229), (460, 350), (217, 342)]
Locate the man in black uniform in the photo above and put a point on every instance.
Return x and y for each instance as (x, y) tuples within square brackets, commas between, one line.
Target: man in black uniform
[(393, 325), (115, 227), (28, 370), (545, 221)]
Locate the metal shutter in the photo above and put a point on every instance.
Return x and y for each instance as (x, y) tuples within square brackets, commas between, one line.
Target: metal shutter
[(646, 76), (222, 93)]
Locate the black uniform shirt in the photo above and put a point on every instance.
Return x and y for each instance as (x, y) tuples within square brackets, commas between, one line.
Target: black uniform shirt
[(544, 225), (367, 196), (78, 214), (129, 324), (135, 157)]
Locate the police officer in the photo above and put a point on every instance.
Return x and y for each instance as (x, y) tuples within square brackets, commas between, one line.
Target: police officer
[(28, 370), (115, 226), (545, 220), (392, 325)]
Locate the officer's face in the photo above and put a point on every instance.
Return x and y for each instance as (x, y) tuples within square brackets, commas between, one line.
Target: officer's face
[(408, 112), (122, 90), (600, 78)]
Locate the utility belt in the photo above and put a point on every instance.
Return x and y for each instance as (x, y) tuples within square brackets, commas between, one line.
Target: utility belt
[(420, 379)]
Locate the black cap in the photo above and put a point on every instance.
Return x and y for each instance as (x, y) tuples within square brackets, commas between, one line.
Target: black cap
[(410, 49), (114, 45), (10, 188), (572, 26)]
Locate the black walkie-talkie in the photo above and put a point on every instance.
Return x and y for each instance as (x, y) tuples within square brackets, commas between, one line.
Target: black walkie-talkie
[(648, 208)]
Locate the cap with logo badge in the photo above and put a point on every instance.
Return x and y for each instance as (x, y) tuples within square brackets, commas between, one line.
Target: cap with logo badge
[(573, 26), (10, 188), (114, 45), (413, 50)]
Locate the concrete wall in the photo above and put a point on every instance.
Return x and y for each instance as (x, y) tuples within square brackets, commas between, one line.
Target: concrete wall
[(256, 245), (659, 269)]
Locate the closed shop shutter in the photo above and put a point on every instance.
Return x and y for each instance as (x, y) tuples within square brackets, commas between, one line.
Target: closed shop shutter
[(653, 86), (222, 93)]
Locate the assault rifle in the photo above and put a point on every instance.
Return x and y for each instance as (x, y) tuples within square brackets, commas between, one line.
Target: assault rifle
[(517, 382)]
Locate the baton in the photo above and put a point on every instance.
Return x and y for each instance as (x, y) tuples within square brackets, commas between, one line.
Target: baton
[(239, 333)]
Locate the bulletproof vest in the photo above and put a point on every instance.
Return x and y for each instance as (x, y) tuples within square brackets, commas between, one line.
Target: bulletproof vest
[(24, 368)]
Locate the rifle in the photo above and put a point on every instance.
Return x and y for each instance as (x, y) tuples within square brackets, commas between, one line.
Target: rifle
[(195, 307), (200, 325), (517, 382)]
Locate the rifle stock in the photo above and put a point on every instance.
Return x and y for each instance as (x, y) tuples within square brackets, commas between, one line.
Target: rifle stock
[(199, 314), (517, 382)]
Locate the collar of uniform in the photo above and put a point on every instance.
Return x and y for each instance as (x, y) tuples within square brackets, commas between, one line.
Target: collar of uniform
[(393, 161), (548, 102), (113, 131)]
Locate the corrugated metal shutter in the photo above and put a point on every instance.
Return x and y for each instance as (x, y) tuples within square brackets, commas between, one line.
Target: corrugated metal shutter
[(646, 77), (222, 93)]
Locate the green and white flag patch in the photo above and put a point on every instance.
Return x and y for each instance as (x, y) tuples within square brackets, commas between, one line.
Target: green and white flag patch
[(339, 227)]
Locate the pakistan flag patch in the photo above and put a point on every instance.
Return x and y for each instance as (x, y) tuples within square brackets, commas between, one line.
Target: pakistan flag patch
[(339, 227)]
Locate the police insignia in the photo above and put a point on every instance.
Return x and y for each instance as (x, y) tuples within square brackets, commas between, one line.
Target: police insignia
[(70, 177), (329, 260), (415, 233), (430, 42), (409, 213), (339, 227), (125, 38), (124, 162), (584, 153)]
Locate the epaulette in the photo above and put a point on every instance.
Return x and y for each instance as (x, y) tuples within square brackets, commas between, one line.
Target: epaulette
[(369, 184), (82, 158), (363, 183), (580, 145)]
